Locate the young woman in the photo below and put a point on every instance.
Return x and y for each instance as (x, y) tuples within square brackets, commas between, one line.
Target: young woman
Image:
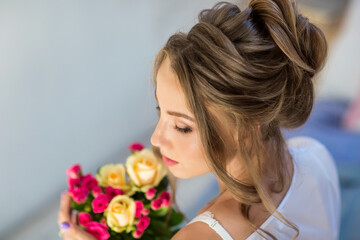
[(224, 91)]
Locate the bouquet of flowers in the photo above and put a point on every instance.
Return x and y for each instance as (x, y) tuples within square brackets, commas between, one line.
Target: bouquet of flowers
[(112, 208)]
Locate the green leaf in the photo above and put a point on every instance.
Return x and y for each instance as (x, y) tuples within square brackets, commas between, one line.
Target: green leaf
[(147, 237), (97, 216), (127, 237), (162, 185), (159, 213), (116, 237), (164, 237), (138, 196), (175, 218), (78, 206), (87, 208), (159, 227), (82, 207), (174, 232)]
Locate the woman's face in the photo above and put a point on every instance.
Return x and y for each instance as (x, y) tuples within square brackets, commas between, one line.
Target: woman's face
[(174, 118)]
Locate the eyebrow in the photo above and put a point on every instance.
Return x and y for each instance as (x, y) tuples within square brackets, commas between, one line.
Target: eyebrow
[(177, 114)]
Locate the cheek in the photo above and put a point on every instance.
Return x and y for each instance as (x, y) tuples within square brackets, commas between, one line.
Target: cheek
[(190, 151), (191, 157)]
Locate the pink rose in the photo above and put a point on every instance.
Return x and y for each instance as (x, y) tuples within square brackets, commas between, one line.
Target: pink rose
[(79, 195), (94, 223), (139, 207), (150, 193), (96, 191), (156, 203), (74, 171), (98, 230), (145, 211), (143, 223), (100, 203), (112, 192), (165, 202), (136, 146), (84, 218), (73, 182), (137, 233), (89, 181), (164, 194)]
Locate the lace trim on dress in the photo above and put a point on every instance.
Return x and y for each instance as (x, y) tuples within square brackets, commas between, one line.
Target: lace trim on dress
[(208, 217)]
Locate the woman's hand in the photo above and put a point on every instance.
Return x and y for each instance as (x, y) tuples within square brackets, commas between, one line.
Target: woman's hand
[(64, 215)]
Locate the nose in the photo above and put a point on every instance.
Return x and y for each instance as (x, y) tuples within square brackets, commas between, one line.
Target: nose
[(155, 137)]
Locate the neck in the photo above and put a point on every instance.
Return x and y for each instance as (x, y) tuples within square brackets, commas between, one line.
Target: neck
[(222, 187)]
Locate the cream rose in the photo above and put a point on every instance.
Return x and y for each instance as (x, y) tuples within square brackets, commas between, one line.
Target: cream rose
[(120, 213), (113, 175), (145, 170)]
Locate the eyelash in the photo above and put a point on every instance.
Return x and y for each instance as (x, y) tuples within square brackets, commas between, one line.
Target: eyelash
[(182, 130)]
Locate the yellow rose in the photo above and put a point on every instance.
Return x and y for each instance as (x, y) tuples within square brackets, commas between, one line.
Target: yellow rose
[(113, 175), (120, 213), (145, 170)]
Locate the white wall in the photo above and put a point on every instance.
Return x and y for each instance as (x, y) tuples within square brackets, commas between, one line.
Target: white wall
[(74, 87), (340, 77)]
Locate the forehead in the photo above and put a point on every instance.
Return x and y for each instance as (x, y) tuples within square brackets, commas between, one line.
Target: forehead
[(168, 89)]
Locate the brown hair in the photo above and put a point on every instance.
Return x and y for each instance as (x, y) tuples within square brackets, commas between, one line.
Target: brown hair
[(253, 66)]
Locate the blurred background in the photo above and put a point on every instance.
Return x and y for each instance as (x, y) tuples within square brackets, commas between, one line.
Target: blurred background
[(75, 88)]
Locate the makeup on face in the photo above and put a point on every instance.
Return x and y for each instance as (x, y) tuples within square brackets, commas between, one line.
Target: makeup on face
[(168, 161)]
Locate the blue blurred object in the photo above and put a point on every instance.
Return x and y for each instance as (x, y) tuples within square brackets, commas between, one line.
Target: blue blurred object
[(324, 124)]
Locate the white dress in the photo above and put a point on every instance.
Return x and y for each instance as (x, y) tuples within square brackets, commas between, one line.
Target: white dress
[(312, 201)]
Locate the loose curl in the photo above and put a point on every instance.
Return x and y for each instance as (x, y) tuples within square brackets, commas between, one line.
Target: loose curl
[(252, 66)]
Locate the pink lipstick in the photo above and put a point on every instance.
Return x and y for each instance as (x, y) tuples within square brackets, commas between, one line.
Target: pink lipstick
[(169, 161)]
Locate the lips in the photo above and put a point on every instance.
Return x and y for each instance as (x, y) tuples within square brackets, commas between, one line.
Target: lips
[(168, 158), (168, 161)]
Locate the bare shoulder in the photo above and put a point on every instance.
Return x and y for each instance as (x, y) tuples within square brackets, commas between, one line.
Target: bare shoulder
[(196, 231), (228, 214), (230, 218)]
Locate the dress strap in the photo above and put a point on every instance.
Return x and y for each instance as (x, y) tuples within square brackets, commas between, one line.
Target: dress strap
[(208, 217)]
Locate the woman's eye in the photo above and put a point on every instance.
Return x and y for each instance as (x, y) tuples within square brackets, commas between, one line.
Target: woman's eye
[(183, 130)]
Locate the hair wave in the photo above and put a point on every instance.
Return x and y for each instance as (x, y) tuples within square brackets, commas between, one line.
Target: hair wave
[(256, 68)]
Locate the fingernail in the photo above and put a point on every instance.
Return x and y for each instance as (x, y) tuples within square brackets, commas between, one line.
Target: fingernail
[(65, 226)]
